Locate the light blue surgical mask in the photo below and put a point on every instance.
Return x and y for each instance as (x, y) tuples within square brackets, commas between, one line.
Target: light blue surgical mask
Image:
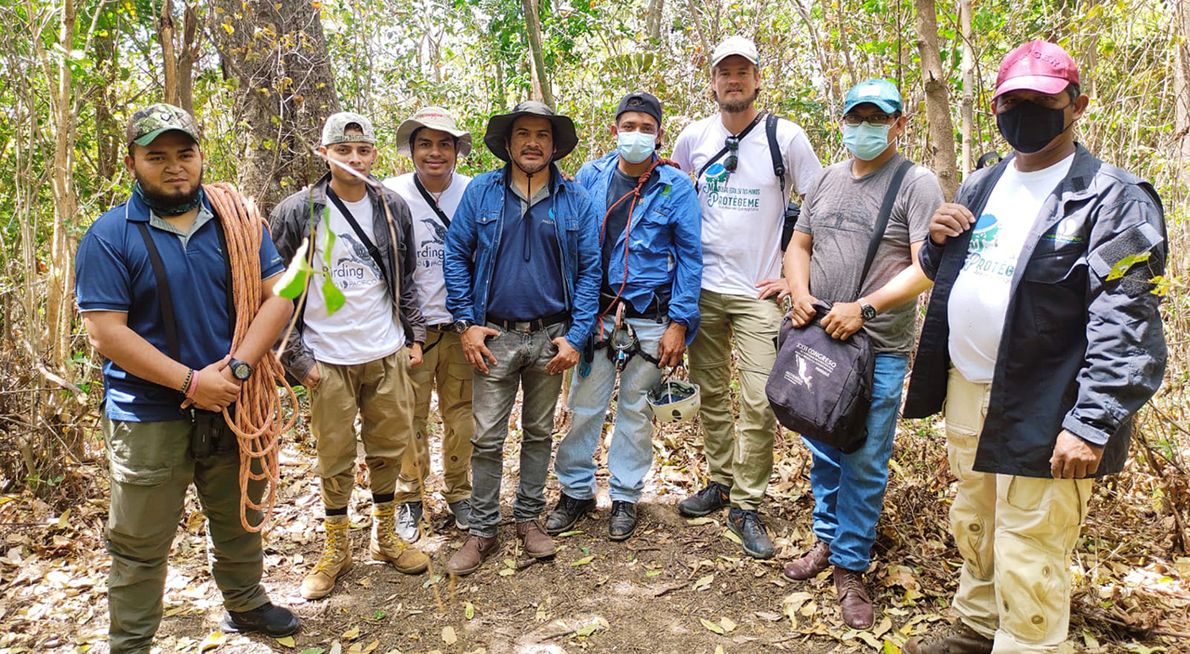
[(865, 140), (635, 147)]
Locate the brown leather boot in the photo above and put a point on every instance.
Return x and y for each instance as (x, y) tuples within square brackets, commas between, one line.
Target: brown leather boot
[(537, 543), (471, 555), (854, 598), (955, 638), (810, 564)]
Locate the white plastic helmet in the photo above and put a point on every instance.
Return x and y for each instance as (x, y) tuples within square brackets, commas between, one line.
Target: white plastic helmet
[(673, 400)]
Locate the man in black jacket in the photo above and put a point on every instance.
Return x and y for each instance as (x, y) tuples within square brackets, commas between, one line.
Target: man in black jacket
[(1043, 338)]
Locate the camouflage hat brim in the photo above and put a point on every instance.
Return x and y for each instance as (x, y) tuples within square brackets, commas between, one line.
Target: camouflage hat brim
[(152, 136)]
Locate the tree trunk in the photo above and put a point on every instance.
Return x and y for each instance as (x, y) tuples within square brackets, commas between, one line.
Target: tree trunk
[(967, 108), (1182, 91), (169, 59), (277, 52), (653, 20), (941, 128), (58, 297), (109, 150), (187, 58), (541, 82)]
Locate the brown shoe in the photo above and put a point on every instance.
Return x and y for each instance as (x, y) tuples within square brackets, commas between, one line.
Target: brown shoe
[(538, 544), (854, 598), (471, 555), (955, 638), (810, 564)]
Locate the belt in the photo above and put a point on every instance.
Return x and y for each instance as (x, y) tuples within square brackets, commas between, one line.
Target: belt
[(442, 327), (529, 326)]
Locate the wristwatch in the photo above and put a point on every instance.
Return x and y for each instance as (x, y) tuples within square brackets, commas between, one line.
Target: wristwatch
[(867, 311), (461, 326), (241, 370)]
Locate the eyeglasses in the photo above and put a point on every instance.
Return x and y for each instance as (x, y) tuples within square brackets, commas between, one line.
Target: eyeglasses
[(874, 119), (732, 143)]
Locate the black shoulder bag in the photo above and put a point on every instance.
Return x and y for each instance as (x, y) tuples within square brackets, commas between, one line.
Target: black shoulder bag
[(821, 387)]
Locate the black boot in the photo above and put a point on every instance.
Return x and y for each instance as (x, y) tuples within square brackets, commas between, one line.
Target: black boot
[(267, 619), (748, 526), (706, 501), (622, 522), (566, 514)]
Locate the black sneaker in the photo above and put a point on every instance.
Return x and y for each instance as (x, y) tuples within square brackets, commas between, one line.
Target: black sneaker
[(622, 522), (566, 513), (714, 497), (267, 619), (748, 526)]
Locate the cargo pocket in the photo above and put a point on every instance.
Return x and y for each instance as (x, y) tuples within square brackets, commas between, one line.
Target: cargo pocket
[(139, 455)]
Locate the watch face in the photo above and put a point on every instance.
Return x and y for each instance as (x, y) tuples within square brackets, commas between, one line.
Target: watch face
[(868, 312), (241, 371)]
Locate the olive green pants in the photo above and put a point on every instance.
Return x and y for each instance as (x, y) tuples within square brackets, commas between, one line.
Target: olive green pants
[(380, 393), (445, 370), (151, 469), (743, 460)]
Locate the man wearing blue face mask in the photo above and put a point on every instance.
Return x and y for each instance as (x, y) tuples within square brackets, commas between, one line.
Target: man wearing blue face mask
[(652, 269), (828, 261)]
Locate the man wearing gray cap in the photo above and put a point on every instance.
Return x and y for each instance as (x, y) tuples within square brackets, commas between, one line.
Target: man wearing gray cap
[(151, 287), (358, 336), (432, 139), (746, 165), (522, 282)]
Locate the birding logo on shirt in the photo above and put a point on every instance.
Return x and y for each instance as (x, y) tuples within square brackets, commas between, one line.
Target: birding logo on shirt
[(353, 267), (431, 250)]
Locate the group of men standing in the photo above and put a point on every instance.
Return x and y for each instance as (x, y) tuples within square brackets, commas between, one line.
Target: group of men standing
[(1036, 345)]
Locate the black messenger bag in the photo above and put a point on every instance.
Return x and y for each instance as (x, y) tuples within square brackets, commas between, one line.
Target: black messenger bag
[(821, 387)]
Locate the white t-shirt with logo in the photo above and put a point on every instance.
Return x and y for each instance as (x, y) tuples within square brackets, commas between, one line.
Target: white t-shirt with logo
[(979, 300), (429, 234), (365, 328), (743, 211)]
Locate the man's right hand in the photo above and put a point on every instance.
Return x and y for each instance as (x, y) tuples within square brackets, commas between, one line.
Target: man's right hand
[(475, 347), (802, 311), (213, 392), (312, 377), (949, 220)]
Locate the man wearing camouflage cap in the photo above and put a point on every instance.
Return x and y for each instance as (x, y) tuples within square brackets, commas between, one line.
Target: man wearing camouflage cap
[(359, 335), (151, 286)]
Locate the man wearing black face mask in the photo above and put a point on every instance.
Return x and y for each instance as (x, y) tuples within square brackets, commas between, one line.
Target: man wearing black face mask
[(1043, 338)]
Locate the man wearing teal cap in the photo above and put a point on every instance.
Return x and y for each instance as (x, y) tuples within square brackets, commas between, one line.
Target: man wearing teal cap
[(828, 261)]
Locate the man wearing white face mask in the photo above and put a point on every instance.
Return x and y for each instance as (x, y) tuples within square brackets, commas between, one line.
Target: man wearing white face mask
[(650, 236), (827, 261)]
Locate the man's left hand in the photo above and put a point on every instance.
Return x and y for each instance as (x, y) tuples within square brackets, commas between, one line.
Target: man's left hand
[(1074, 458), (843, 320), (672, 346), (776, 287), (415, 355), (565, 359)]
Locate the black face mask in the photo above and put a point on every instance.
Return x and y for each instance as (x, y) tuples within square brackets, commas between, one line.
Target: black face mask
[(1029, 127)]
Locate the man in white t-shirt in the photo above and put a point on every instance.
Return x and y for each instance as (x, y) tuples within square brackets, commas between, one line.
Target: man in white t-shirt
[(1042, 340), (358, 336), (743, 206), (432, 139)]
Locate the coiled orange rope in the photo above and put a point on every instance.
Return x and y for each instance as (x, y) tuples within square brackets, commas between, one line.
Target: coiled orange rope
[(259, 416)]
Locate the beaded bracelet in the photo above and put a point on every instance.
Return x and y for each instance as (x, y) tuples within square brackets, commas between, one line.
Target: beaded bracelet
[(193, 385), (186, 384)]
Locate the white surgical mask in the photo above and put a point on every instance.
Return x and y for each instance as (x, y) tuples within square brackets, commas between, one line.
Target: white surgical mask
[(635, 147)]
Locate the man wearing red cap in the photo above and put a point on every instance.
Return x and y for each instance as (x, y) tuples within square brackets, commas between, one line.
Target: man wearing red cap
[(1042, 340)]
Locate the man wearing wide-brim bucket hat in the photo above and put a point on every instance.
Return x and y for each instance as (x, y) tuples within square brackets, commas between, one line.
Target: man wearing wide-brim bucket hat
[(432, 139), (522, 270)]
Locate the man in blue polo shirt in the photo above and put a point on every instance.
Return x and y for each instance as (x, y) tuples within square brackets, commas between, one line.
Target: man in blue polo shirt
[(522, 282), (648, 313), (152, 285)]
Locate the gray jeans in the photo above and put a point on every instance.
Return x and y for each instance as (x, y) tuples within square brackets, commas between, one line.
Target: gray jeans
[(520, 363)]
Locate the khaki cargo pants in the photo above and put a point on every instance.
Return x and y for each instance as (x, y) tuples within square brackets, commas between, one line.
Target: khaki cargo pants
[(381, 394), (743, 460), (1015, 534), (151, 469), (446, 370)]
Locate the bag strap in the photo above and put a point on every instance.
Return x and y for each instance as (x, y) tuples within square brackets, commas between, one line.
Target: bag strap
[(373, 251), (164, 297), (425, 194), (720, 153), (890, 198), (770, 130)]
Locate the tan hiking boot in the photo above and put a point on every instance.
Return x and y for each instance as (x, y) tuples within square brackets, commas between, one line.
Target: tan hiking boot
[(538, 544), (471, 555), (334, 562), (386, 545), (955, 638)]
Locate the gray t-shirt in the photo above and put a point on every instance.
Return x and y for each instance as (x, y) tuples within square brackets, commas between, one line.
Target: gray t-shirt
[(840, 213)]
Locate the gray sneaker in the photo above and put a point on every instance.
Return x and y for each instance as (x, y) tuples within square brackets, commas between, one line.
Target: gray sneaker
[(462, 513), (408, 515)]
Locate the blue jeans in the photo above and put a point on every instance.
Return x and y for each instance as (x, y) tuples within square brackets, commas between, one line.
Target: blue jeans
[(849, 488), (630, 454)]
